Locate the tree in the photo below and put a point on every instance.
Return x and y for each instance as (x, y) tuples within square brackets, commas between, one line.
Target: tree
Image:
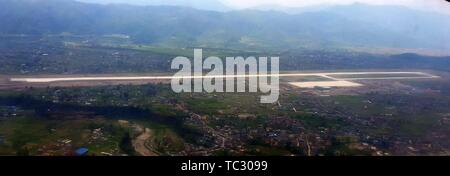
[(126, 145)]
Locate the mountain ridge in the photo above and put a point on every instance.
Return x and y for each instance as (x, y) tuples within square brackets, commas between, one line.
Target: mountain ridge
[(213, 5), (355, 25)]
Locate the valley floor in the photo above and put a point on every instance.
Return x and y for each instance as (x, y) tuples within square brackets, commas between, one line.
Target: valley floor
[(391, 113)]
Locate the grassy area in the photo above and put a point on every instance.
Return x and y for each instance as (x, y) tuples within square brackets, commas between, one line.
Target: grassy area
[(313, 122), (166, 141), (259, 150), (205, 106), (41, 136), (417, 126), (351, 101), (186, 52)]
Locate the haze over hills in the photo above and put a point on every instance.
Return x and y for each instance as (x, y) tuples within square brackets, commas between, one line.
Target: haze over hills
[(357, 25), (289, 6), (198, 4)]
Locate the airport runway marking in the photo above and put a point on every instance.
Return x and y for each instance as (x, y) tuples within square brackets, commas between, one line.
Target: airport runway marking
[(324, 75)]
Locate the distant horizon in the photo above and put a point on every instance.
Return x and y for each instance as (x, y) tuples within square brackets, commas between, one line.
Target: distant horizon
[(439, 6)]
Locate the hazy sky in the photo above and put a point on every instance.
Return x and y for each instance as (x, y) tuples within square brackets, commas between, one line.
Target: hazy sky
[(301, 3), (432, 5), (441, 5)]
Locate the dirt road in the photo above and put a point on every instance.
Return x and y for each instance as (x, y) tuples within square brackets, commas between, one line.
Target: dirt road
[(139, 143)]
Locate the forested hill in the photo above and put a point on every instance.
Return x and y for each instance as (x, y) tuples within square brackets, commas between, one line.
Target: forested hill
[(357, 25)]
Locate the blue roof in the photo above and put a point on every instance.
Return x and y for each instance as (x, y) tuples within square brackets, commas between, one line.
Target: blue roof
[(81, 151)]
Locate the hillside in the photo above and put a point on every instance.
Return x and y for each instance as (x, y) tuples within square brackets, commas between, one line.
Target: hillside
[(355, 25)]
